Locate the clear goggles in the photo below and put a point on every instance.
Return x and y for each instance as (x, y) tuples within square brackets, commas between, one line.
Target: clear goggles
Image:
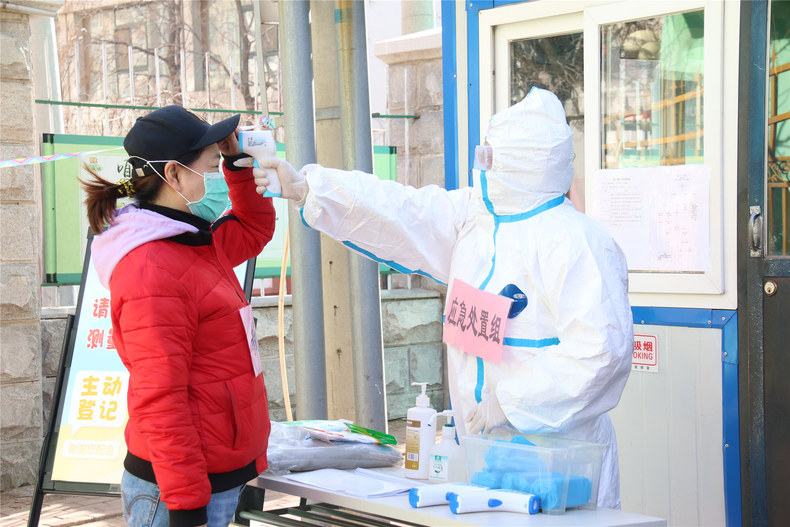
[(484, 157)]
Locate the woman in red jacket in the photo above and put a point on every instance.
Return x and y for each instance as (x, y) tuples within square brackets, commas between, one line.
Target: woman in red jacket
[(198, 417)]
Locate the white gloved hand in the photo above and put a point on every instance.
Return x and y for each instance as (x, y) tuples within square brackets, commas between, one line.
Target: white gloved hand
[(244, 162), (485, 416), (293, 183)]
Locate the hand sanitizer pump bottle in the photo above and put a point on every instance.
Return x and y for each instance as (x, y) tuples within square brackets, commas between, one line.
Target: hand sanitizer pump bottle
[(447, 459), (420, 436)]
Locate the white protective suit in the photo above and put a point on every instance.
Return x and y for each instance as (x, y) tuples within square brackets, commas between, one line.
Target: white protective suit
[(567, 355)]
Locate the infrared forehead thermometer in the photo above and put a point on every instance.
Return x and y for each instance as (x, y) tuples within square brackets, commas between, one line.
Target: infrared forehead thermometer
[(471, 500), (260, 144)]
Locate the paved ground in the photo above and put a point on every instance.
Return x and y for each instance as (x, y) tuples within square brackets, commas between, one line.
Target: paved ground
[(88, 511), (92, 511)]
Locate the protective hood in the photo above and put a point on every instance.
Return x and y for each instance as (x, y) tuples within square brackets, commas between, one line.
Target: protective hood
[(131, 228), (532, 158)]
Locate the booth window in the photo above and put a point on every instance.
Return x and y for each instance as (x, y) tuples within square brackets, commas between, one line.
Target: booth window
[(552, 63), (652, 91), (555, 63), (778, 107)]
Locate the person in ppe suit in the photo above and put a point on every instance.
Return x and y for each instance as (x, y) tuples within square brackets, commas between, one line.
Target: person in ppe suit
[(569, 337)]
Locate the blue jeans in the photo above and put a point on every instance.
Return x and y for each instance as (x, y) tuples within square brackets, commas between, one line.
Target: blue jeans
[(142, 506)]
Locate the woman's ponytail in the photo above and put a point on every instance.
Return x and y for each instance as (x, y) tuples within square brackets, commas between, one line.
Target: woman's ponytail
[(102, 196)]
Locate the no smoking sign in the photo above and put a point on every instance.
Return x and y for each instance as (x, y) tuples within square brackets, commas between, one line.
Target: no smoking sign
[(645, 356)]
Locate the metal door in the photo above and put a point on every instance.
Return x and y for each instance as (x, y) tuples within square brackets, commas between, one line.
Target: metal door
[(764, 261)]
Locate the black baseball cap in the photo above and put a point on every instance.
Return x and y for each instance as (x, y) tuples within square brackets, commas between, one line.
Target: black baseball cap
[(173, 132)]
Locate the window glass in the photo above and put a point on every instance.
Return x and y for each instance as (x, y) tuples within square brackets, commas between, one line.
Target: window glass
[(652, 91), (556, 64), (778, 108)]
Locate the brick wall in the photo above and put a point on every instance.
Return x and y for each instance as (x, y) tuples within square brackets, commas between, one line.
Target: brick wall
[(20, 357), (412, 333)]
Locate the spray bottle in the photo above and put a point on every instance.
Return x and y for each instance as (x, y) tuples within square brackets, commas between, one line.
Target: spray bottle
[(447, 460), (260, 145), (420, 436)]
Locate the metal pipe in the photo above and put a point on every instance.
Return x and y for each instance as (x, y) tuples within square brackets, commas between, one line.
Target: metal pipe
[(260, 66), (78, 77), (208, 81), (105, 75), (256, 104), (232, 84), (50, 232), (158, 81), (131, 81), (16, 8), (406, 145), (138, 107), (307, 287), (183, 79), (369, 390)]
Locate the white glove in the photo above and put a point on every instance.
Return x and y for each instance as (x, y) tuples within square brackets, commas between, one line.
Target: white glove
[(485, 416), (293, 183), (244, 162)]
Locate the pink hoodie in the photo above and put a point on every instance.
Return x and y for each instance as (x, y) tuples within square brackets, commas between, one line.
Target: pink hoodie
[(130, 228)]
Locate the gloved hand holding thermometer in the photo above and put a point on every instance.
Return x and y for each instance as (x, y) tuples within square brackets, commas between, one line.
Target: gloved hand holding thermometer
[(293, 184), (260, 145)]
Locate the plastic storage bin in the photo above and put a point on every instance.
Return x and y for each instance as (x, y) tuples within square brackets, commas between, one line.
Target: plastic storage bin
[(562, 472)]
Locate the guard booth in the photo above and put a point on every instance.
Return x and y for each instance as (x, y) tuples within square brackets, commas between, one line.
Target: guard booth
[(681, 117)]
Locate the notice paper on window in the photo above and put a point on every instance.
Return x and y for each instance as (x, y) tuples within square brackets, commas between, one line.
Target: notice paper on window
[(659, 216)]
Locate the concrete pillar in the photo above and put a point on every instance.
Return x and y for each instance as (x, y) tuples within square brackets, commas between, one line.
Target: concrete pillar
[(20, 338), (334, 256), (416, 15)]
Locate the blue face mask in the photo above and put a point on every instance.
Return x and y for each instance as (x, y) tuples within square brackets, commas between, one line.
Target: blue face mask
[(215, 201)]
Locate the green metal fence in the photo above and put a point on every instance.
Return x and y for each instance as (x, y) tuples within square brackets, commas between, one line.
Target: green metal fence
[(65, 223)]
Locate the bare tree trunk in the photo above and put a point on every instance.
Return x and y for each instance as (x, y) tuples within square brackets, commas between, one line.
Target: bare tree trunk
[(174, 36), (246, 40)]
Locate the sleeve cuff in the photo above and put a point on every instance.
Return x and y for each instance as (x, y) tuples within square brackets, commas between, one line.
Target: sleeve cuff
[(188, 518), (230, 160)]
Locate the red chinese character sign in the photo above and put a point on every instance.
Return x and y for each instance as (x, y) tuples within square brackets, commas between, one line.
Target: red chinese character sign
[(475, 321), (645, 356)]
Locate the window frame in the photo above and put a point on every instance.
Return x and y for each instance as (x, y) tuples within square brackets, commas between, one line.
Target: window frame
[(715, 287)]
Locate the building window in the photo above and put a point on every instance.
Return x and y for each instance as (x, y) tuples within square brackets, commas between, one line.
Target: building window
[(652, 91)]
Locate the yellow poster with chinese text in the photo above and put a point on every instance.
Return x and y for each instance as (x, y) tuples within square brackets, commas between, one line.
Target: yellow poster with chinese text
[(91, 445)]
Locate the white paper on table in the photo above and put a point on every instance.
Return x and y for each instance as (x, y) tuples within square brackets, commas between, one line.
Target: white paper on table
[(352, 483), (386, 476), (659, 216)]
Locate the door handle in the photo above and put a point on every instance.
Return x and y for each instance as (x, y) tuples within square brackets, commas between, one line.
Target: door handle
[(755, 232)]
